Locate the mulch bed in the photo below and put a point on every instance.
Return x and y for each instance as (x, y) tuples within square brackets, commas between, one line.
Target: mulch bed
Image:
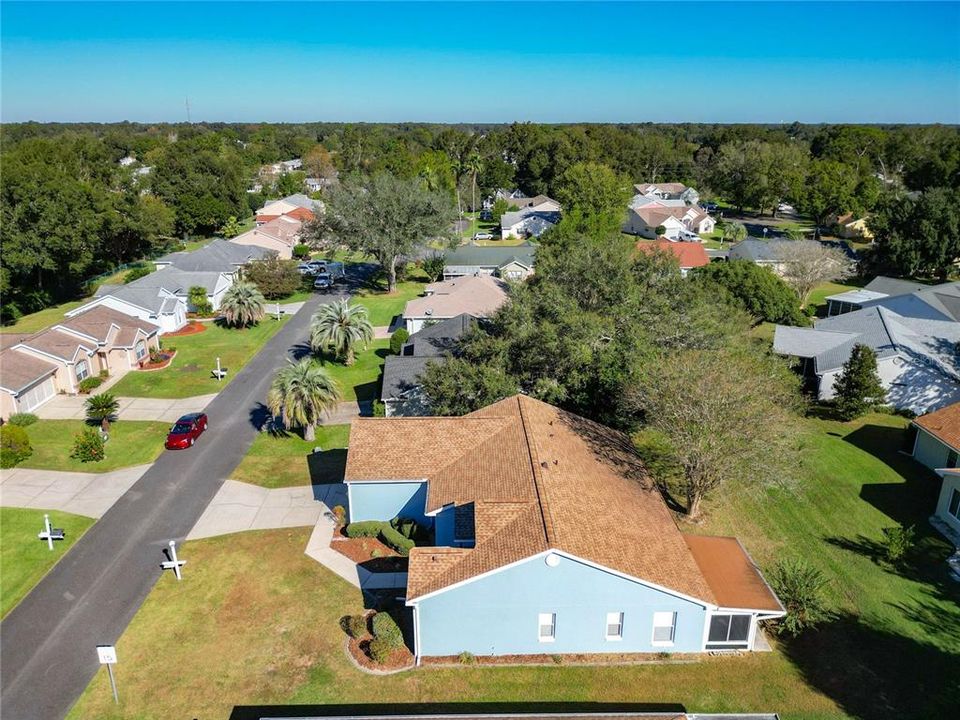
[(191, 328), (398, 660), (372, 554), (150, 365), (579, 659)]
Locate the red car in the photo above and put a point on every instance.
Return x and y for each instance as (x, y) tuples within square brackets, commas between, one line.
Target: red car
[(186, 431)]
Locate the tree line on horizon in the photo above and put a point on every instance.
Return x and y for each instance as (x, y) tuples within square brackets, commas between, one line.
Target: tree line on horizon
[(70, 211)]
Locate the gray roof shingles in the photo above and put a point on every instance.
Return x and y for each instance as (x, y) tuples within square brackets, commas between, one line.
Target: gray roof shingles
[(217, 256)]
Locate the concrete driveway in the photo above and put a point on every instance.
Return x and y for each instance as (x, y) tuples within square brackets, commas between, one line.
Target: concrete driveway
[(240, 506), (71, 407), (89, 494)]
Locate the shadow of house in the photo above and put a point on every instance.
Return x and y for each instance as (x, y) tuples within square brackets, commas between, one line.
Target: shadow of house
[(392, 710), (875, 674), (327, 466)]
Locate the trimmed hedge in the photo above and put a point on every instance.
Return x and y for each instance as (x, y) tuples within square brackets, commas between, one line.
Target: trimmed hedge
[(405, 526), (14, 445), (379, 651), (392, 538), (397, 340), (89, 383), (366, 528), (385, 628)]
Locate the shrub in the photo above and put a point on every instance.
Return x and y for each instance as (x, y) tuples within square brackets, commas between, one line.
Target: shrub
[(397, 340), (275, 278), (10, 313), (898, 541), (761, 292), (104, 373), (356, 626), (87, 446), (379, 651), (858, 386), (385, 628), (379, 408), (102, 408), (340, 513), (405, 526), (136, 273), (365, 528), (433, 267), (197, 296), (89, 383), (799, 587), (392, 538), (466, 658), (301, 251), (22, 419), (14, 445)]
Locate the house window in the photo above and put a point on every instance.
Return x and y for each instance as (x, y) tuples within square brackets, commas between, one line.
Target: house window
[(547, 627), (664, 626), (141, 349), (615, 626), (83, 370), (729, 630), (952, 459), (954, 507)]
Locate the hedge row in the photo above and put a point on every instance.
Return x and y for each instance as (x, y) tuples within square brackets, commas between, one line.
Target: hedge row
[(394, 539), (366, 528), (385, 628)]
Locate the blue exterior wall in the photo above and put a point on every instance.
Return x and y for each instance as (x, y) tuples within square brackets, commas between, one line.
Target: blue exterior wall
[(444, 527), (498, 614), (385, 501)]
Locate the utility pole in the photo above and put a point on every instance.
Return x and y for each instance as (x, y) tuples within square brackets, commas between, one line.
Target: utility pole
[(189, 122)]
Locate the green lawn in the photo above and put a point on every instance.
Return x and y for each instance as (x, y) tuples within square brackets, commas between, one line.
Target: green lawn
[(286, 460), (34, 322), (360, 380), (818, 298), (131, 443), (476, 225), (24, 559), (189, 374), (383, 307)]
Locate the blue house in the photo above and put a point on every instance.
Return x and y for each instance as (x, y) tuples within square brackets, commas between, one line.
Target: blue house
[(550, 538)]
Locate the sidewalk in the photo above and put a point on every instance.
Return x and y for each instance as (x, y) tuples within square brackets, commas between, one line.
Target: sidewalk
[(71, 407), (239, 506), (89, 494)]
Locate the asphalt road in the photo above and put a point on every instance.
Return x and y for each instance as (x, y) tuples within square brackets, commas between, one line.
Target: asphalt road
[(48, 642)]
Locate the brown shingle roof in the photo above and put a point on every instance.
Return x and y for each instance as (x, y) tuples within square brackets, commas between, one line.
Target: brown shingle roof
[(734, 579), (97, 322), (943, 424), (529, 468), (59, 344), (478, 296), (18, 369)]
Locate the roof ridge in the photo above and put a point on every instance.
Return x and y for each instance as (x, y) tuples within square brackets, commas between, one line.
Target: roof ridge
[(548, 532)]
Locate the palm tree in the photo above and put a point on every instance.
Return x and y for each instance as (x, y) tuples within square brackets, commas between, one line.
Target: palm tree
[(242, 305), (474, 165), (339, 327), (301, 393), (102, 408), (734, 232), (794, 233)]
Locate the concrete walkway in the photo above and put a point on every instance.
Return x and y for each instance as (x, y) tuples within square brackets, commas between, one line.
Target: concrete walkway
[(71, 407), (90, 494), (381, 332), (240, 506)]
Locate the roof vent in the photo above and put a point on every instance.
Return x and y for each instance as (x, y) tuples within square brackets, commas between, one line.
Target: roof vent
[(428, 311), (544, 465), (552, 560)]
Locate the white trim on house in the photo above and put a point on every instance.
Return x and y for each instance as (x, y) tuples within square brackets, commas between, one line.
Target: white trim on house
[(551, 623), (618, 621), (661, 615)]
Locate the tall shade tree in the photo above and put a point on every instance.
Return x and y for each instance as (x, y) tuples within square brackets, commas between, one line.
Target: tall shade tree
[(593, 189), (102, 409), (385, 216), (242, 305), (858, 386), (301, 393), (340, 328), (808, 263), (829, 189), (475, 166), (726, 414), (919, 237)]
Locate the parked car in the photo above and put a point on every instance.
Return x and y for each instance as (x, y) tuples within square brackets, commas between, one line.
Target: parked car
[(323, 282), (689, 236), (329, 267), (306, 269), (482, 236), (710, 207), (186, 430), (486, 215)]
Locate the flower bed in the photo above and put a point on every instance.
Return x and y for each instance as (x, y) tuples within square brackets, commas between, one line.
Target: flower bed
[(191, 328), (358, 648), (158, 361), (372, 554)]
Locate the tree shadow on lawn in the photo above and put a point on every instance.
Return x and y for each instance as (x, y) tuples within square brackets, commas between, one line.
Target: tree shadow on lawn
[(260, 416), (876, 674), (534, 709)]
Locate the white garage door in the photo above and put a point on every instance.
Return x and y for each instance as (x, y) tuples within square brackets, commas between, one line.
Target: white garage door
[(36, 396)]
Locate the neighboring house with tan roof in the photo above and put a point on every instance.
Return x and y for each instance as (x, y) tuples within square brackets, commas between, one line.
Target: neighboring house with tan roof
[(279, 235), (668, 191), (937, 445), (550, 538), (35, 368), (480, 296)]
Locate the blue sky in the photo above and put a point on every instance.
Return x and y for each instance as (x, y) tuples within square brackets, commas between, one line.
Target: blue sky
[(481, 62)]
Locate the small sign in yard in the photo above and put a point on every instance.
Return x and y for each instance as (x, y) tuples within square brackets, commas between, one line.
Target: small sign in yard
[(107, 655)]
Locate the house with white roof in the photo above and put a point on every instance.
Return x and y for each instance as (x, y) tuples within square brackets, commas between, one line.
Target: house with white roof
[(916, 337), (527, 223), (877, 289)]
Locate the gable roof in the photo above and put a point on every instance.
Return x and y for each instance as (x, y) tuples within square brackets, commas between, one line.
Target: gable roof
[(59, 344), (689, 254), (542, 218), (943, 424), (153, 292), (527, 467), (478, 296), (757, 250), (401, 374), (19, 370), (97, 322), (672, 188), (731, 573), (217, 256), (892, 286), (490, 257), (439, 338)]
